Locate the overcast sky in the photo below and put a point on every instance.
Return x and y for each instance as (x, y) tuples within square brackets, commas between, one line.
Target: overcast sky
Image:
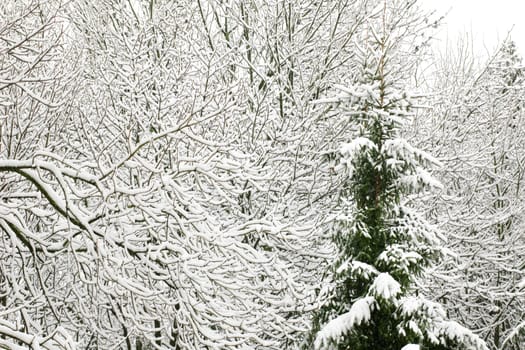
[(488, 20)]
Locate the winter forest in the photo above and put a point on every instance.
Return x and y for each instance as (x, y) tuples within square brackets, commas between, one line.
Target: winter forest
[(257, 174)]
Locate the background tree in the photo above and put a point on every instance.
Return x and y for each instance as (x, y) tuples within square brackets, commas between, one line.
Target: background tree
[(133, 232), (35, 87), (477, 131)]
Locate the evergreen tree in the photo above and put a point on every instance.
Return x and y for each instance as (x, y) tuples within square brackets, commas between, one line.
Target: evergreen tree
[(383, 244)]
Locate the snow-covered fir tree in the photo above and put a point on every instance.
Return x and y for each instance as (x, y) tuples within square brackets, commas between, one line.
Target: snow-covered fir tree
[(383, 244)]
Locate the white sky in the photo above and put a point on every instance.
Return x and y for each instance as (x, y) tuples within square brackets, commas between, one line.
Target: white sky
[(487, 20)]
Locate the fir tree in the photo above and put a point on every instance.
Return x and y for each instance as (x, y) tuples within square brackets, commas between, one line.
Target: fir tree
[(383, 244)]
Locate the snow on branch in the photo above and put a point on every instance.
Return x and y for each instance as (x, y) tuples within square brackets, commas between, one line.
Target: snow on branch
[(350, 151), (385, 287), (359, 313), (13, 339)]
